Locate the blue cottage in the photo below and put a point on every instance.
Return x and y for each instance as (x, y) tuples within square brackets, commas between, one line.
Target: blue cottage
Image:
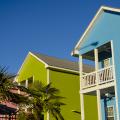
[(100, 44)]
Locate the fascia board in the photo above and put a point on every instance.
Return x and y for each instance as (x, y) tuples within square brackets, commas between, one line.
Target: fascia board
[(38, 58), (21, 68), (62, 69), (100, 11)]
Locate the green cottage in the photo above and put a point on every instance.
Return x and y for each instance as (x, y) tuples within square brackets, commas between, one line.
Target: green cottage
[(64, 75)]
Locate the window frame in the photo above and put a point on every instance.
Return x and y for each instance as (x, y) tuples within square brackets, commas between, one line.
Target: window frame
[(113, 112)]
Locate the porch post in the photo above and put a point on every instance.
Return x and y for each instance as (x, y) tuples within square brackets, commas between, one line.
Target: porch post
[(81, 94), (97, 80), (26, 83), (99, 105)]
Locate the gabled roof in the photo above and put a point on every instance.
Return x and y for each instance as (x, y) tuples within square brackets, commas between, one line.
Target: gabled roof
[(57, 63), (100, 11)]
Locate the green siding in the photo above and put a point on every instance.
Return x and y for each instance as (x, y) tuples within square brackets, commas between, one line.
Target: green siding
[(91, 112), (33, 67), (68, 84)]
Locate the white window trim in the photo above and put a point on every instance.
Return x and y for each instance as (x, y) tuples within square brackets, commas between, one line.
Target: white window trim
[(113, 111)]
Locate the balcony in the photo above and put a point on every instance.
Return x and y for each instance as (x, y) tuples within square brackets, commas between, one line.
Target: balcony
[(102, 76)]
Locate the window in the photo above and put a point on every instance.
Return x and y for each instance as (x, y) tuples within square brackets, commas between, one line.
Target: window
[(110, 113), (30, 81)]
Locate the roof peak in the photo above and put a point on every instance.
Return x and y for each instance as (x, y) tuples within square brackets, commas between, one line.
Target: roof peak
[(99, 12)]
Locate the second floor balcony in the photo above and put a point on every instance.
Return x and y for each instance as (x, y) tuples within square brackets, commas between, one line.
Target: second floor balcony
[(102, 64), (102, 76)]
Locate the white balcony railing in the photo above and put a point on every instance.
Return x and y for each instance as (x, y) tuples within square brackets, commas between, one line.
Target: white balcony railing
[(101, 76)]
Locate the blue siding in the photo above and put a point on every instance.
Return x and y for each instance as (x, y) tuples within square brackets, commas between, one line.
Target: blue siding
[(106, 28), (105, 104), (103, 110)]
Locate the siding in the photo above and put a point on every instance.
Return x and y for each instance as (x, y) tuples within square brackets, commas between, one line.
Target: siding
[(32, 67), (106, 28), (69, 88)]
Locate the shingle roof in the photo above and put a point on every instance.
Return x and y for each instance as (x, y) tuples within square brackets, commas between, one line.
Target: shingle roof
[(62, 63)]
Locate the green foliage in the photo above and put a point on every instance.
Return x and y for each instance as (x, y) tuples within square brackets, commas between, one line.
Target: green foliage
[(39, 98), (5, 84), (45, 99)]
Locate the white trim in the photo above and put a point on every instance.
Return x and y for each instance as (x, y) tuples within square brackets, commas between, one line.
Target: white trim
[(18, 89), (88, 28), (38, 58), (64, 69), (26, 83), (46, 65), (96, 64), (97, 80), (21, 68), (50, 66), (29, 53), (81, 70), (82, 106), (115, 81), (103, 86), (93, 22), (99, 105), (81, 94), (113, 111)]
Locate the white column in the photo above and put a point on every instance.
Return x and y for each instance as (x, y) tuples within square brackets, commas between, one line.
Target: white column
[(26, 83), (18, 89), (99, 105), (97, 80), (82, 106), (81, 94), (96, 59)]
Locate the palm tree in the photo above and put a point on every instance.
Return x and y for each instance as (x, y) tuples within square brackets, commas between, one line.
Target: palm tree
[(8, 92), (5, 84), (40, 98), (8, 88), (44, 98)]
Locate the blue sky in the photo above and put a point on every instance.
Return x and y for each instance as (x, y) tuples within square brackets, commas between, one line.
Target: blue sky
[(51, 27)]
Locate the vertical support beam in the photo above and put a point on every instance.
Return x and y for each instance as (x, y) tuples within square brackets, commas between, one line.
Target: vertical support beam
[(96, 59), (81, 70), (115, 80), (82, 106), (18, 89), (26, 83), (99, 105), (97, 80), (81, 94)]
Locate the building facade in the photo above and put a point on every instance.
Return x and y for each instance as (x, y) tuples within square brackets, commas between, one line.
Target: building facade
[(64, 75), (100, 44)]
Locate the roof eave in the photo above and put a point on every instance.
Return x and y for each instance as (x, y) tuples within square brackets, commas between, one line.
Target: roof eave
[(75, 53), (102, 8)]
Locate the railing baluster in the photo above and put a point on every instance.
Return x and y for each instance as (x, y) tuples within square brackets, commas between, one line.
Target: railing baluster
[(104, 75)]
